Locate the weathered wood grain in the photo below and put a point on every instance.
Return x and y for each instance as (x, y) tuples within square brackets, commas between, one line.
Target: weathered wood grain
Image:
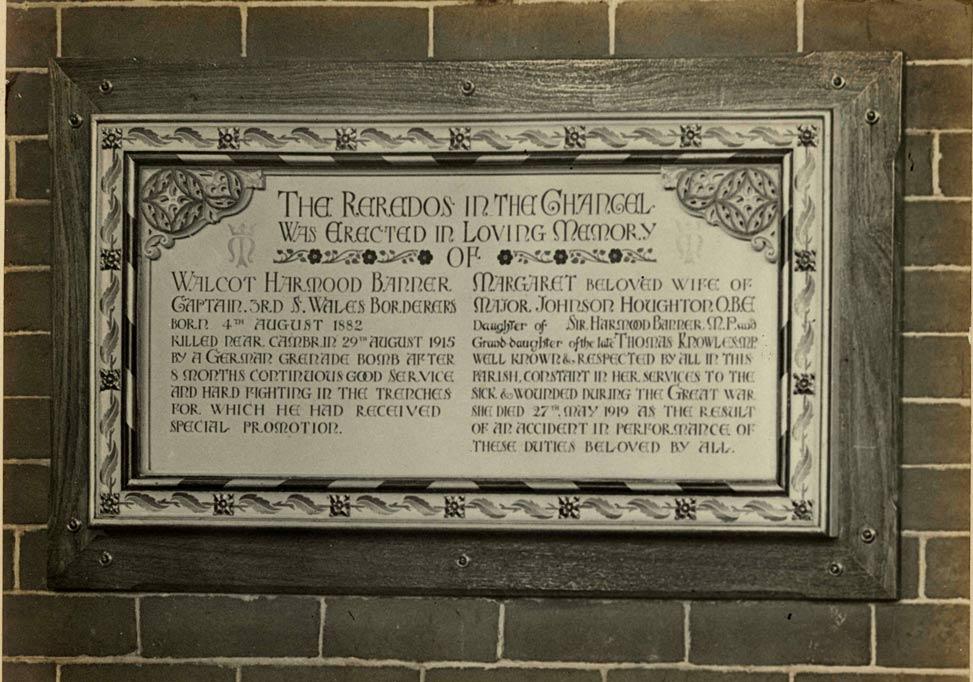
[(501, 87), (71, 294)]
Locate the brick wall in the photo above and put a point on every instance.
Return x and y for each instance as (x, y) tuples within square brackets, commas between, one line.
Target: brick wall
[(148, 637)]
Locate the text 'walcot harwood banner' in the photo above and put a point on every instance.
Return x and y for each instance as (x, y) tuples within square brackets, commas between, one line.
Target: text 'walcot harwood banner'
[(594, 323)]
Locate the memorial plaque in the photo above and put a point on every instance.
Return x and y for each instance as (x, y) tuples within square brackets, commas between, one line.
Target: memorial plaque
[(604, 322), (481, 312)]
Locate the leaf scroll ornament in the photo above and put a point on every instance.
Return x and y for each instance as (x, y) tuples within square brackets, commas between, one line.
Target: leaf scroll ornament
[(179, 202)]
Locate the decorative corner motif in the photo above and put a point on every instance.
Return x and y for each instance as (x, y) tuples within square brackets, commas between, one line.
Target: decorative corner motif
[(575, 137), (111, 138), (110, 379), (454, 507), (685, 509), (339, 505), (223, 504), (803, 509), (228, 138), (346, 139), (110, 503), (804, 383), (804, 260), (743, 202), (569, 507), (690, 135), (807, 135), (459, 139), (111, 259), (179, 202)]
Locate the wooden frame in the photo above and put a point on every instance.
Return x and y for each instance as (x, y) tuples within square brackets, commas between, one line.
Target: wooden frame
[(861, 93)]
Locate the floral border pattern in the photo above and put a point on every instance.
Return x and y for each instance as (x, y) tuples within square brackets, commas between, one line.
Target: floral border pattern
[(801, 136), (447, 506), (445, 137)]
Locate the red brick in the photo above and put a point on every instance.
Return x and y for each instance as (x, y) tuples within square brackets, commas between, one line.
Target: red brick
[(918, 165), (411, 629), (27, 365), (788, 632), (909, 568), (664, 675), (922, 635), (26, 428), (865, 676), (937, 96), (935, 434), (29, 672), (923, 29), (28, 234), (27, 301), (337, 33), (935, 499), (164, 34), (954, 165), (580, 630), (147, 673), (198, 627), (33, 560), (31, 36), (937, 367), (61, 625), (547, 30), (936, 301), (25, 490), (661, 28), (27, 101), (948, 568), (511, 675), (33, 179), (8, 560), (307, 673), (937, 233)]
